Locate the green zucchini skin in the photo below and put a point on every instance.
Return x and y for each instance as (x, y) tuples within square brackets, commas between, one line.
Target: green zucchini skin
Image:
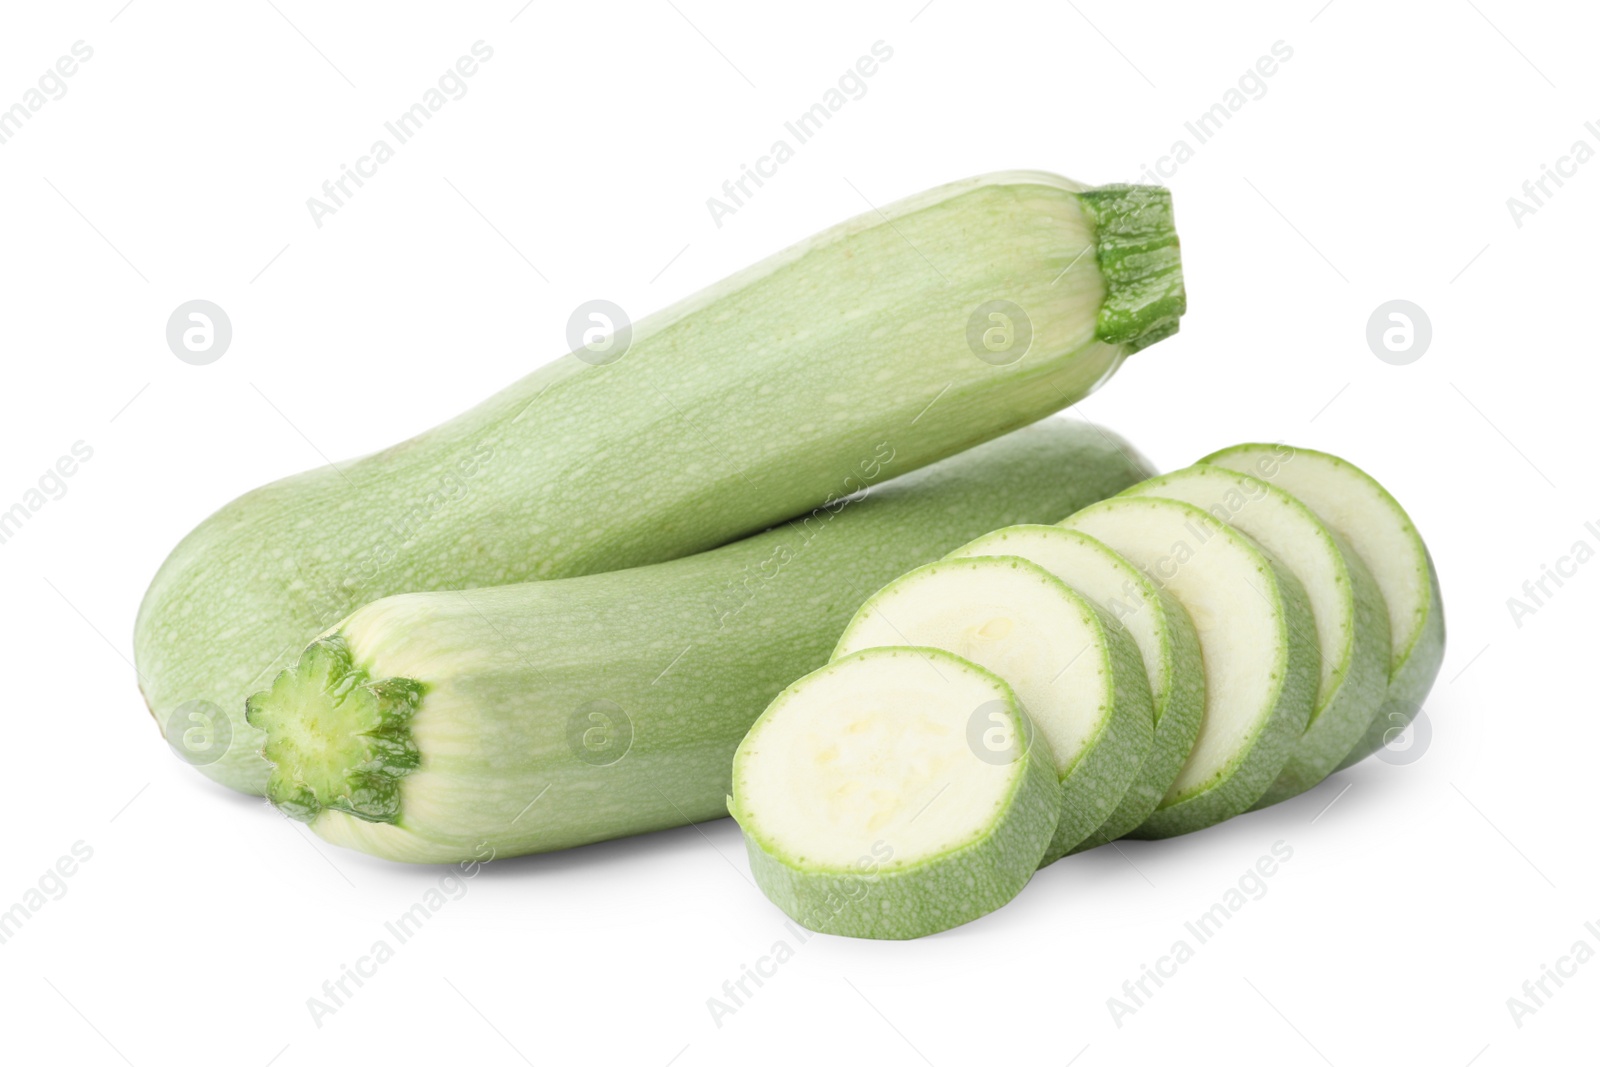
[(1351, 623), (1417, 637), (1170, 655), (1165, 538), (1411, 683), (892, 901), (1107, 763), (760, 398), (677, 659), (907, 903)]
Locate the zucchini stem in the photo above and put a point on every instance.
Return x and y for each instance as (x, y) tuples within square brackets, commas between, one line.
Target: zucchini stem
[(336, 739), (1136, 248)]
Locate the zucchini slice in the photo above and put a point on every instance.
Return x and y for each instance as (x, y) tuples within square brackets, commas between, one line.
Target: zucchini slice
[(1259, 658), (1076, 671), (893, 793), (1372, 521), (1352, 623), (1159, 627)]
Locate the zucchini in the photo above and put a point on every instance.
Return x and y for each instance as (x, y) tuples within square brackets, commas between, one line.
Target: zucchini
[(1159, 627), (1077, 672), (937, 323), (1372, 521), (551, 714), (1259, 657), (867, 809), (1352, 624)]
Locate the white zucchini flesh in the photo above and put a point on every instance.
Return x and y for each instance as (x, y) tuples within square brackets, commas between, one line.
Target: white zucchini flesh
[(1351, 621), (871, 809), (1372, 521), (1260, 667), (1078, 673), (1161, 630)]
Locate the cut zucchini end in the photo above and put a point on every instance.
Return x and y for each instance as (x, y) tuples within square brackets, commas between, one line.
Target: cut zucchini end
[(892, 794), (1136, 247), (336, 739)]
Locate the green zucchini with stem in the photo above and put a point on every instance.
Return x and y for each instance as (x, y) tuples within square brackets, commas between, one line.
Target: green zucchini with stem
[(937, 323), (551, 714)]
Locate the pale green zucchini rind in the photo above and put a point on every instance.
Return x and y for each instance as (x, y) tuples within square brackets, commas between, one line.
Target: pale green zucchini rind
[(1161, 630), (1409, 686), (841, 362), (1076, 671), (560, 713), (1253, 621), (1373, 523), (867, 811), (1351, 622)]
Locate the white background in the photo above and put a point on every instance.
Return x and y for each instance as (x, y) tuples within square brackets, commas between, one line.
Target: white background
[(1377, 165)]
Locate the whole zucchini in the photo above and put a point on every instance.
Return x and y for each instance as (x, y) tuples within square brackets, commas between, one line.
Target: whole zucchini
[(525, 718), (940, 322)]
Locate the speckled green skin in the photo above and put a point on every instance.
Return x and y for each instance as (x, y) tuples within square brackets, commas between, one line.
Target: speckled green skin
[(1320, 750), (766, 395), (1177, 688), (1239, 787), (1174, 735), (900, 900), (1357, 675), (1411, 681), (1415, 659), (688, 652), (1097, 779), (1293, 669), (1105, 772)]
